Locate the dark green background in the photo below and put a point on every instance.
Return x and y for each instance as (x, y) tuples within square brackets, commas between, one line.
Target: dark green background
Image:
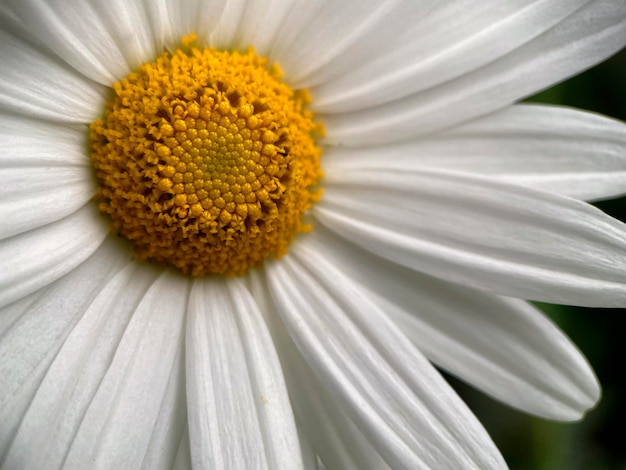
[(599, 441)]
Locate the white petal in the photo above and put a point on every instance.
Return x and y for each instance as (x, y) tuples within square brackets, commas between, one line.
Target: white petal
[(34, 259), (10, 313), (198, 16), (479, 232), (81, 36), (224, 33), (309, 457), (339, 443), (54, 414), (401, 404), (207, 16), (168, 431), (503, 346), (183, 457), (40, 85), (560, 150), (262, 22), (506, 348), (32, 197), (454, 38), (323, 424), (46, 173), (319, 40), (163, 23), (583, 39), (139, 407), (171, 20), (34, 329), (27, 142), (239, 412), (128, 24)]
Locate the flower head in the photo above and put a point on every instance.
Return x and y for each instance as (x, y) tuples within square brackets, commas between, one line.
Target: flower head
[(267, 306)]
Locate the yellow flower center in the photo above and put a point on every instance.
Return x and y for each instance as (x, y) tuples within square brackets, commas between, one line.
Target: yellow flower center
[(206, 160)]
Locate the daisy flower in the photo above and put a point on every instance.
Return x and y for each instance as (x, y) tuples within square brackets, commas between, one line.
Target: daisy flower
[(238, 234)]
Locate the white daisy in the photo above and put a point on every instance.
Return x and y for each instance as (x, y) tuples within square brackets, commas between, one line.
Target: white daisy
[(443, 204)]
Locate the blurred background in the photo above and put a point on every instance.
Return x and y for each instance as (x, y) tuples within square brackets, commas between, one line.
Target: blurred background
[(599, 441)]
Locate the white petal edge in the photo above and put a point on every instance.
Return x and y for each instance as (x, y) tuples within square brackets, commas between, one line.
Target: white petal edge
[(262, 22), (137, 415), (239, 412), (38, 84), (479, 232), (503, 346), (199, 16), (171, 20), (32, 197), (34, 328), (78, 34), (128, 24), (551, 148), (162, 23), (319, 40), (474, 34), (224, 34), (586, 38), (183, 457), (323, 425), (55, 411), (393, 394), (309, 457), (26, 142), (34, 259)]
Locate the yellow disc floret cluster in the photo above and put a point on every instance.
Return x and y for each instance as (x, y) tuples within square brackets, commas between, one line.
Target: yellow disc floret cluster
[(206, 160)]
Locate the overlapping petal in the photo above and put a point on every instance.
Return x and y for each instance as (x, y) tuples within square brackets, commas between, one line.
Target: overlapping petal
[(32, 197), (126, 21), (239, 412), (137, 414), (226, 32), (84, 35), (319, 40), (183, 456), (393, 394), (36, 258), (33, 330), (503, 346), (323, 424), (171, 20), (35, 83), (45, 173), (46, 431), (442, 43), (262, 23), (26, 143), (482, 233), (560, 150), (583, 39)]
